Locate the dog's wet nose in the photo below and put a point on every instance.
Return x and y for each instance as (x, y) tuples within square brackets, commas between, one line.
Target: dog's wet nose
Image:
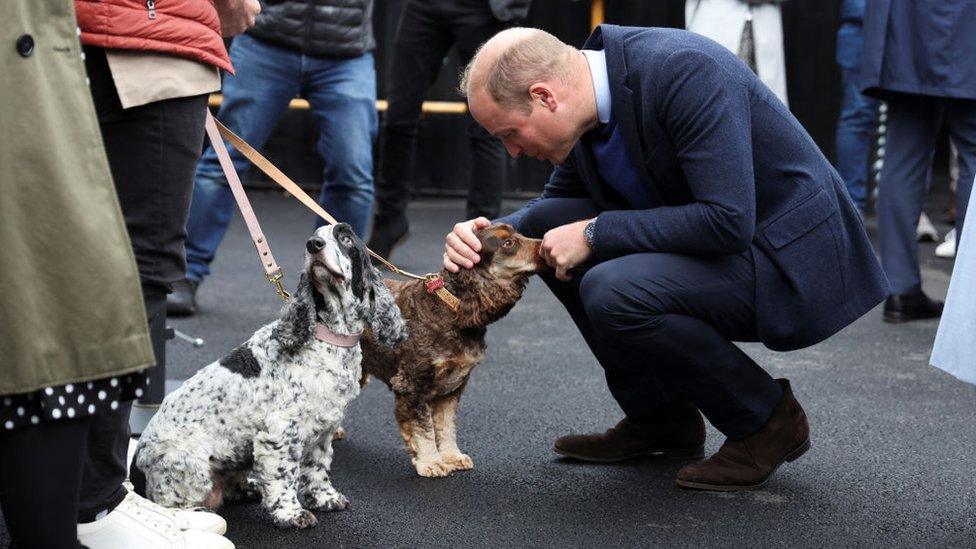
[(315, 244)]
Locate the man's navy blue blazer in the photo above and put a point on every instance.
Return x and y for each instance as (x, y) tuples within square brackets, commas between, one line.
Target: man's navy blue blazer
[(731, 170)]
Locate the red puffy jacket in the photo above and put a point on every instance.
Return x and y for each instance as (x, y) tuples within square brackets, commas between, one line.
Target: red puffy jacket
[(187, 28)]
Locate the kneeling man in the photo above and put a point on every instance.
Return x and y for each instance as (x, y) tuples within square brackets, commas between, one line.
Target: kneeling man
[(688, 209)]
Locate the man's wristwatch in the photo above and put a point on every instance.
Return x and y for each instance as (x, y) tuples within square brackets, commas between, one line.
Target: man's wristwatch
[(588, 234)]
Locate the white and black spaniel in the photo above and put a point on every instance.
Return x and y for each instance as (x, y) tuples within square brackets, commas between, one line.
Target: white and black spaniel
[(259, 423)]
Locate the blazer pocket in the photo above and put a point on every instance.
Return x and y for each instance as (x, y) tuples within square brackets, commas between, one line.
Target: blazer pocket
[(799, 220)]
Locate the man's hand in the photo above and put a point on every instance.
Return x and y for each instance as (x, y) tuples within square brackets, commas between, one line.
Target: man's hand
[(461, 246), (236, 16), (565, 247)]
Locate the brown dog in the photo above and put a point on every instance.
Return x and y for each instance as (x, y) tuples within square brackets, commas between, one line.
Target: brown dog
[(428, 372)]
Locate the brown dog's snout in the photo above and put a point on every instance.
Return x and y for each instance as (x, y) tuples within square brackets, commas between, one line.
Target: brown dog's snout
[(315, 244)]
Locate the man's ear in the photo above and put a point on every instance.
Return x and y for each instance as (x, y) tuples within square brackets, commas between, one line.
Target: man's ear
[(543, 94)]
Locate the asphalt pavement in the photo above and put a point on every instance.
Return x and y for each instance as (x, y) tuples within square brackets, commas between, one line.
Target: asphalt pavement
[(891, 463)]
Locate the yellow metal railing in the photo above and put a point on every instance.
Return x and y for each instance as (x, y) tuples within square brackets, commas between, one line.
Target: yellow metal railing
[(596, 13), (430, 107)]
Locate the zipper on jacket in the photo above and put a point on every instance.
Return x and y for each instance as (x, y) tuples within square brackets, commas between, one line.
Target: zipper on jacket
[(151, 6)]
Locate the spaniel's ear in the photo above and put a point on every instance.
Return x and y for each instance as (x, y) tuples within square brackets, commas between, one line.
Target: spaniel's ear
[(384, 319), (297, 323), (489, 245), (361, 268)]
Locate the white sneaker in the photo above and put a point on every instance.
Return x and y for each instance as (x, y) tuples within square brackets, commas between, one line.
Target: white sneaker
[(133, 525), (947, 250), (197, 518), (925, 231)]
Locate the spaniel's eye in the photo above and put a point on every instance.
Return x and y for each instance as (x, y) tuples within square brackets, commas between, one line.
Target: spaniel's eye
[(509, 243)]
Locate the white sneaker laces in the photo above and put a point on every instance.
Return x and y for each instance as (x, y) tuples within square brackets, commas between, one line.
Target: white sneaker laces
[(151, 515), (173, 515)]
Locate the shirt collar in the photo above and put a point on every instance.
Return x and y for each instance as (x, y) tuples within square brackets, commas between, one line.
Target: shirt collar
[(597, 61)]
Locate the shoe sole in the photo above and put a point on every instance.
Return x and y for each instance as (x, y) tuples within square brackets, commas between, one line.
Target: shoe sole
[(790, 457), (901, 318), (663, 453)]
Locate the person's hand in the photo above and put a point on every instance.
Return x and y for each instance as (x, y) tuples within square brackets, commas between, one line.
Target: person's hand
[(236, 16), (565, 247), (461, 246)]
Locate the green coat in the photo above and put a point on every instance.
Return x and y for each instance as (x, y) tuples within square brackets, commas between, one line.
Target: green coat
[(71, 306)]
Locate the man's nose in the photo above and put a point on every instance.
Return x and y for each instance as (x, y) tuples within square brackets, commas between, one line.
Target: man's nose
[(513, 150), (314, 245)]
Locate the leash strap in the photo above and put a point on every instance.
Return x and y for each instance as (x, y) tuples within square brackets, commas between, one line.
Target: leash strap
[(292, 188), (271, 268)]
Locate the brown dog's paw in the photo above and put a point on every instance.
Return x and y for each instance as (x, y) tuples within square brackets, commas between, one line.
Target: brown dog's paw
[(458, 461), (339, 434), (304, 519), (432, 468)]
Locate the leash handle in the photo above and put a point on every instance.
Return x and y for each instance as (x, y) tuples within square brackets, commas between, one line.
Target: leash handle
[(292, 188), (271, 268)]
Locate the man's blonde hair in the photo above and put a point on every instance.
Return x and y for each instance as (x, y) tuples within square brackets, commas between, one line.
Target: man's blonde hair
[(537, 56)]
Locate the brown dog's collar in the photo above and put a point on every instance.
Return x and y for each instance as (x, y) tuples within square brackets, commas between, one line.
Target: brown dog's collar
[(324, 333), (435, 285)]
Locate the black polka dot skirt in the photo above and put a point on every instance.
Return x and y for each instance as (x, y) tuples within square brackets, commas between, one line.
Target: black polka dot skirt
[(71, 400)]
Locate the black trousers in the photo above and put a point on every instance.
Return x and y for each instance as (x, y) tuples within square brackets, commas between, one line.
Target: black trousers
[(426, 31), (662, 325), (152, 152), (40, 477)]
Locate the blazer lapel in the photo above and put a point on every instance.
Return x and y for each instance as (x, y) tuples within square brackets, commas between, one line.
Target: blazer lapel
[(624, 109)]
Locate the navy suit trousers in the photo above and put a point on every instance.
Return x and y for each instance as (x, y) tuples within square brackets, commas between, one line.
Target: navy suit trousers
[(661, 325)]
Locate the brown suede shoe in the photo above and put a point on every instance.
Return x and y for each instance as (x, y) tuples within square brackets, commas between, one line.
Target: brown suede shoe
[(747, 464), (677, 433)]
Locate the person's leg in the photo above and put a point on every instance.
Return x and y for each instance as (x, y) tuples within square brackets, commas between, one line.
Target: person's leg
[(343, 97), (40, 477), (681, 314), (655, 392), (913, 124), (253, 101), (108, 442), (152, 152), (472, 27), (857, 117), (961, 117), (419, 47)]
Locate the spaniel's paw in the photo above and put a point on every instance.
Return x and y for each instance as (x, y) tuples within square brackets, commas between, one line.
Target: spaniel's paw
[(432, 468), (303, 519), (457, 461), (339, 434), (327, 501)]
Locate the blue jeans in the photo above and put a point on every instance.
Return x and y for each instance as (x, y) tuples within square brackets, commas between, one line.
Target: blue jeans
[(857, 117), (342, 94)]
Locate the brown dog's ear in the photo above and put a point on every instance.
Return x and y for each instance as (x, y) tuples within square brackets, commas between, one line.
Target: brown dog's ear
[(489, 245)]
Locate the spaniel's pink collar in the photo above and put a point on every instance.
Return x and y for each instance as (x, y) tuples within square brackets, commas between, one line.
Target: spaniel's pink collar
[(323, 333)]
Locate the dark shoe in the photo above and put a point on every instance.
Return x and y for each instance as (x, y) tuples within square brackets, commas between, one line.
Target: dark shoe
[(914, 306), (746, 464), (183, 300), (388, 233), (676, 433)]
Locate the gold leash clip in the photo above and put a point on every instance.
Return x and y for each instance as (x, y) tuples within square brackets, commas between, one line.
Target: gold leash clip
[(276, 280)]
